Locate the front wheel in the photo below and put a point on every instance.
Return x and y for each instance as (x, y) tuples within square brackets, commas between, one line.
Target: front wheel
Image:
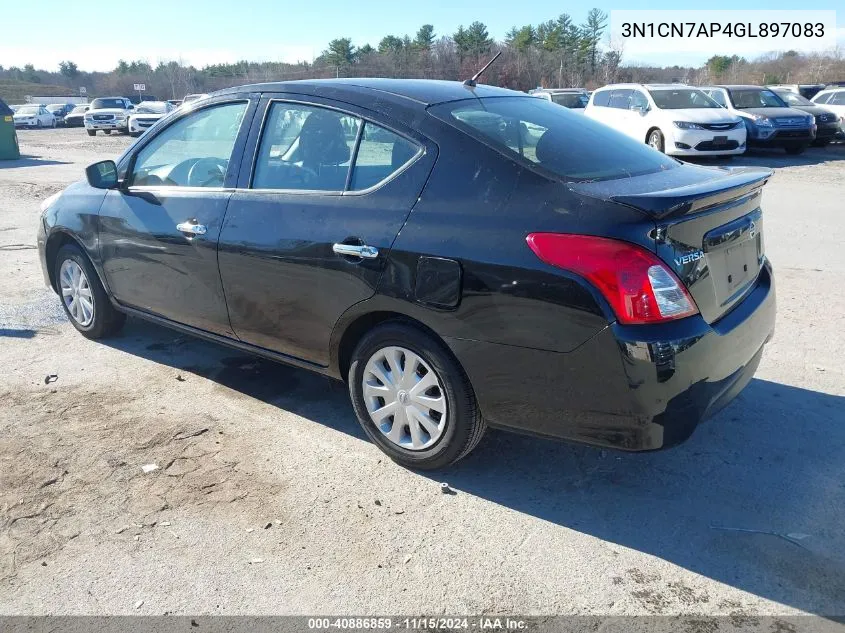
[(106, 132), (92, 132), (412, 398), (655, 140), (795, 149), (83, 297)]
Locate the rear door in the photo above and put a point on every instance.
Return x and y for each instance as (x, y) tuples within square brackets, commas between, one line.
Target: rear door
[(324, 190), (620, 111)]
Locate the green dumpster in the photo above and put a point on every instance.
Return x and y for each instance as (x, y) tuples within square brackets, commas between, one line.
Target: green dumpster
[(8, 139)]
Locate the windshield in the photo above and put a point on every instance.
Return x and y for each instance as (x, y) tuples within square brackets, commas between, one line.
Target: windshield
[(151, 108), (28, 110), (55, 108), (569, 99), (744, 98), (682, 99), (79, 109), (794, 99), (98, 104), (537, 133)]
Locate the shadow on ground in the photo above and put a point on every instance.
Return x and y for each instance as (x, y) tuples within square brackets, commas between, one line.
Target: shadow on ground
[(755, 499), (30, 161)]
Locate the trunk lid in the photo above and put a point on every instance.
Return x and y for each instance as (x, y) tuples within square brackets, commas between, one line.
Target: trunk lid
[(708, 227)]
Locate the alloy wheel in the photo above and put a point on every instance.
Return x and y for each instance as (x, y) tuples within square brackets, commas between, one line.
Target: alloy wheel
[(76, 292), (405, 398)]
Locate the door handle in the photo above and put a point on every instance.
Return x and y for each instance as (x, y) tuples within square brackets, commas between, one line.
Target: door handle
[(192, 228), (356, 250)]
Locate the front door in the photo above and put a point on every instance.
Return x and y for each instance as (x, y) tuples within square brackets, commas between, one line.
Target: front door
[(307, 233), (159, 231)]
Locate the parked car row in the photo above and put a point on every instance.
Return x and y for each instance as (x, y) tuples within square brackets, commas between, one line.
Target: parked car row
[(720, 120), (119, 114)]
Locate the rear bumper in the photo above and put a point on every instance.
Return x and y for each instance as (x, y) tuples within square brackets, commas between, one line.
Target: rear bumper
[(629, 387)]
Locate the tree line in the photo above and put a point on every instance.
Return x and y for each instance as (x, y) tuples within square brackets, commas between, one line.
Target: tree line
[(556, 53)]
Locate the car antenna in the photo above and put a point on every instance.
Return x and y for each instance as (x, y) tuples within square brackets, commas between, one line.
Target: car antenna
[(470, 83)]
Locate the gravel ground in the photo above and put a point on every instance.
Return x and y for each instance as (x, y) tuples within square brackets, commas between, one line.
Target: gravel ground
[(268, 498)]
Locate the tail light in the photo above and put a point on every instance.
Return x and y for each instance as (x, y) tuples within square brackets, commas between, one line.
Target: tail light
[(638, 286)]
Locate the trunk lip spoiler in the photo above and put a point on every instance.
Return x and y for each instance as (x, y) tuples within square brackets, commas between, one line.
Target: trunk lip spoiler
[(691, 198)]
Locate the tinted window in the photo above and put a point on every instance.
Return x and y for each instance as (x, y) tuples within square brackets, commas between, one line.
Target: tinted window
[(755, 98), (305, 148), (837, 98), (620, 99), (79, 109), (193, 152), (682, 99), (97, 104), (601, 98), (540, 134), (380, 153), (568, 99)]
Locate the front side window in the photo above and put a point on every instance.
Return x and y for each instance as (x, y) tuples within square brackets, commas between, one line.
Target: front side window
[(744, 98), (837, 98), (822, 98), (380, 153), (638, 100), (540, 134), (682, 99), (192, 152)]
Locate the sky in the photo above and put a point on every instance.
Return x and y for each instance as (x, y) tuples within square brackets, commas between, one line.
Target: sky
[(218, 31)]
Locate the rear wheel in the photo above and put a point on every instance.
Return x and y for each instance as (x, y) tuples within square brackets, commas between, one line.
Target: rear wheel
[(412, 398), (795, 149), (655, 140), (83, 297), (92, 132), (106, 131)]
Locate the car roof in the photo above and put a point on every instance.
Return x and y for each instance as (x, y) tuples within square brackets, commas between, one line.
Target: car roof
[(422, 92), (557, 90), (732, 86), (647, 86)]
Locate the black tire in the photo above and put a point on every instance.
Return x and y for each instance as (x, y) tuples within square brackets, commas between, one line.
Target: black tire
[(107, 321), (38, 124), (655, 139), (106, 132), (821, 143), (794, 150), (464, 424), (92, 132)]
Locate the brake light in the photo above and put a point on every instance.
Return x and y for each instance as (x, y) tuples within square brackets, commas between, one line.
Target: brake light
[(638, 286)]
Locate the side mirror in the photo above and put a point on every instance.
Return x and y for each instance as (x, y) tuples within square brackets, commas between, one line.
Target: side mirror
[(102, 175), (640, 109)]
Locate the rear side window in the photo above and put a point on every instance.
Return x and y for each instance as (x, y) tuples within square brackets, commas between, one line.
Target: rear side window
[(837, 98), (311, 148), (620, 99), (601, 98), (823, 98), (305, 147), (380, 153), (541, 134)]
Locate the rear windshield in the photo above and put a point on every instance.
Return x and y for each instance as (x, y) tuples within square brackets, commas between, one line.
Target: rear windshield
[(540, 134), (569, 99), (98, 104)]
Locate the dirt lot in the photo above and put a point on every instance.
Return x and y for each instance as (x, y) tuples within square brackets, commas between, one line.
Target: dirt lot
[(268, 499)]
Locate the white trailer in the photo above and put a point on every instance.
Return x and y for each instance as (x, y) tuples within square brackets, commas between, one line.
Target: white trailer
[(54, 99)]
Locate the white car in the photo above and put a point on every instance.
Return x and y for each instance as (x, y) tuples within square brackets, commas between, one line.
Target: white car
[(33, 116), (575, 99), (146, 114), (833, 99), (107, 114), (672, 118)]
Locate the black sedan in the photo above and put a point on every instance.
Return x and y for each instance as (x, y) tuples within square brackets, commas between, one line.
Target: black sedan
[(827, 122), (461, 256)]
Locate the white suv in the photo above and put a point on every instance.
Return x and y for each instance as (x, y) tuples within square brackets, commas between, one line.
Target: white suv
[(107, 114), (672, 118), (833, 99)]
